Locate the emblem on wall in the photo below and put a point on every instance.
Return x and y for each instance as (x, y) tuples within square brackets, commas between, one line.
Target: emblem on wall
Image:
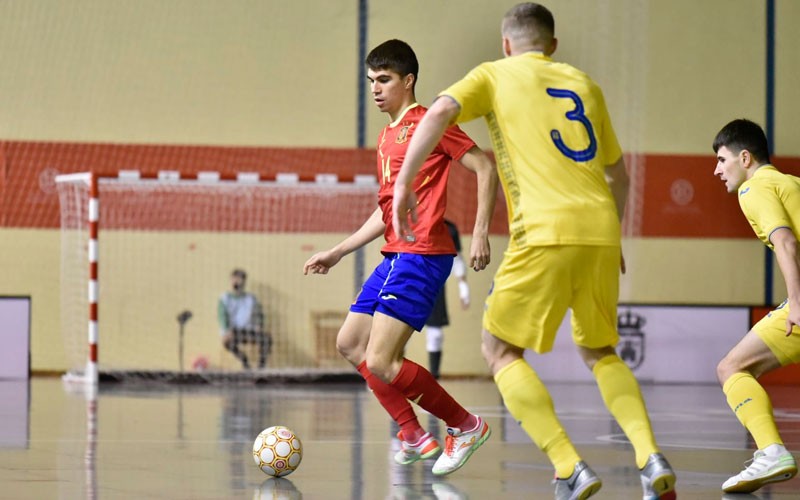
[(631, 338)]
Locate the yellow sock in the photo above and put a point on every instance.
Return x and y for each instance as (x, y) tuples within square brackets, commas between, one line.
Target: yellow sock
[(622, 397), (530, 404), (751, 404)]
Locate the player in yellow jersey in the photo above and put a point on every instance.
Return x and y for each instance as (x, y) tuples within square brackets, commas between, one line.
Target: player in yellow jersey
[(565, 183), (770, 201)]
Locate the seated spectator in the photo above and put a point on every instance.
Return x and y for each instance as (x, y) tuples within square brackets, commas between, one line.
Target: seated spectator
[(241, 320)]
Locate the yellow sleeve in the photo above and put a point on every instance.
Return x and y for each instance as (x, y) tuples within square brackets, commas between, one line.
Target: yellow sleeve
[(474, 93), (764, 211)]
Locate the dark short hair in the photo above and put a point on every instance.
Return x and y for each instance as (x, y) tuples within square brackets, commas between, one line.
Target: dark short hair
[(742, 134), (529, 20), (394, 55), (240, 273)]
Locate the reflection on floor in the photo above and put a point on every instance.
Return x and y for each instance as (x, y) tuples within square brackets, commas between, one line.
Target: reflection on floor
[(194, 442)]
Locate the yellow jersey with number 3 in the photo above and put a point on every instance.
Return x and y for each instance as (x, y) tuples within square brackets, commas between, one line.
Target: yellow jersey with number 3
[(552, 139)]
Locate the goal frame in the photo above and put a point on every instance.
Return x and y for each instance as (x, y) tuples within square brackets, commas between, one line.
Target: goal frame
[(91, 375)]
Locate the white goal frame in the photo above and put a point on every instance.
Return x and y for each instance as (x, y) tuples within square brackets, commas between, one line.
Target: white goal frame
[(91, 373)]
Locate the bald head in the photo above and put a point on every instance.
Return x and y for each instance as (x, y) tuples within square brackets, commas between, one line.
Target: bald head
[(529, 26)]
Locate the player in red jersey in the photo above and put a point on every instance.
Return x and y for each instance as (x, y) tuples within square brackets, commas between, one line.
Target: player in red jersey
[(398, 297)]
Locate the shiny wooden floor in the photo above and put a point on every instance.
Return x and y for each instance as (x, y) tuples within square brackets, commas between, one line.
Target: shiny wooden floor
[(194, 442)]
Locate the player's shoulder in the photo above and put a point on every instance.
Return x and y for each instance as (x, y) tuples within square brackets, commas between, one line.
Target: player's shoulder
[(417, 112)]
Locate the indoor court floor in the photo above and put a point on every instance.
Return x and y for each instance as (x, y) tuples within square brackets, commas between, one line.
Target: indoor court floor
[(195, 442)]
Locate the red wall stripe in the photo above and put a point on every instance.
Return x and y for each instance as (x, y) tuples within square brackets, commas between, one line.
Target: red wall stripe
[(681, 196)]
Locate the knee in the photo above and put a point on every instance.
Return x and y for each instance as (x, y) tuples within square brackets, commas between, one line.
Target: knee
[(350, 349), (591, 356), (381, 368), (498, 353), (488, 355), (725, 369)]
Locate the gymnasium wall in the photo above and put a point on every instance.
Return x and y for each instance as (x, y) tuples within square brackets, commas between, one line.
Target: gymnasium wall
[(272, 86)]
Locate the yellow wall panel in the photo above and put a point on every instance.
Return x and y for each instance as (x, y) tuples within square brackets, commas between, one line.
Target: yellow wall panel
[(705, 67), (787, 76), (183, 71)]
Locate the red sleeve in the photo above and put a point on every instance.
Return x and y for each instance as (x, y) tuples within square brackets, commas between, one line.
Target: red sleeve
[(455, 143)]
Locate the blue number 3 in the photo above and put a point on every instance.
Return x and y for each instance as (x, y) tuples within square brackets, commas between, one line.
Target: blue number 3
[(576, 114)]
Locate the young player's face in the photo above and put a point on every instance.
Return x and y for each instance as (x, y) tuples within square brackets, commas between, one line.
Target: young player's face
[(389, 90), (730, 169)]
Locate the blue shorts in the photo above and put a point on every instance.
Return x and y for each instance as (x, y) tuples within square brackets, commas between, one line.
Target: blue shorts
[(404, 286)]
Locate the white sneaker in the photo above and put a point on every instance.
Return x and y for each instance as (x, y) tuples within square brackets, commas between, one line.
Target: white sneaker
[(459, 446), (761, 470), (426, 447)]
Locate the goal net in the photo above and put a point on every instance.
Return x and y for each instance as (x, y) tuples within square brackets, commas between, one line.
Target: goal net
[(163, 257)]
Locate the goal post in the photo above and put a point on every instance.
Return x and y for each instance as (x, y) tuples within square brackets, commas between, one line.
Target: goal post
[(145, 259)]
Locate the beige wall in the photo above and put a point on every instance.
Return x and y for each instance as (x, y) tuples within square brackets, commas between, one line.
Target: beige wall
[(277, 73), (787, 74)]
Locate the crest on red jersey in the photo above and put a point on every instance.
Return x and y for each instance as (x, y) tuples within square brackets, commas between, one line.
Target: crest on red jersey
[(402, 136)]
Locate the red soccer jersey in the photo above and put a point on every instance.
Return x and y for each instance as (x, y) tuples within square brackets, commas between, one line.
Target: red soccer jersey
[(430, 185)]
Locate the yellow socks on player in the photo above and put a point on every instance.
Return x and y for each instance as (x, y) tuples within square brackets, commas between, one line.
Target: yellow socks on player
[(624, 400), (751, 404), (530, 404)]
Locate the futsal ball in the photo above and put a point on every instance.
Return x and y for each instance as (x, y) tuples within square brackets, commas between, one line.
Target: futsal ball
[(277, 451)]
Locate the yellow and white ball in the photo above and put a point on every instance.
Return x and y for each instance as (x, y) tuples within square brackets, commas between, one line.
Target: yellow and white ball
[(277, 451)]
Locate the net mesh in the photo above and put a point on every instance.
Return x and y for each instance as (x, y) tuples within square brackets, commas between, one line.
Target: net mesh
[(607, 33), (168, 247)]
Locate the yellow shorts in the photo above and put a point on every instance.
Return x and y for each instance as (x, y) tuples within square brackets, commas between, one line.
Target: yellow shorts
[(772, 330), (535, 286)]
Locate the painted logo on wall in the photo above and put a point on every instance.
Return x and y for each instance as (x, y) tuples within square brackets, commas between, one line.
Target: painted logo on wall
[(631, 347)]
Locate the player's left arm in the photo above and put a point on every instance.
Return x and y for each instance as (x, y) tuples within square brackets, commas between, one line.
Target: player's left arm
[(619, 183), (477, 161), (785, 244), (429, 131)]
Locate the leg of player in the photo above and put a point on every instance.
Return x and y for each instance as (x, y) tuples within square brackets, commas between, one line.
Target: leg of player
[(351, 342), (466, 432), (264, 340), (623, 398), (529, 402), (434, 339), (737, 373), (232, 345)]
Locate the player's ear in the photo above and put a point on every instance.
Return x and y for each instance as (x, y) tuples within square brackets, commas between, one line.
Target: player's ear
[(506, 47), (409, 84), (745, 158)]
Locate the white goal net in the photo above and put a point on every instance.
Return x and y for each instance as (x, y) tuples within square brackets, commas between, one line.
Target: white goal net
[(166, 250)]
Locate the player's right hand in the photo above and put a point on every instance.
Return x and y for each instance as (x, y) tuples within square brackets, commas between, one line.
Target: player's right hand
[(321, 262)]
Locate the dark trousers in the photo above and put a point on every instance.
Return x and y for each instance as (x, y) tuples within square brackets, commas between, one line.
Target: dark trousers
[(248, 336)]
